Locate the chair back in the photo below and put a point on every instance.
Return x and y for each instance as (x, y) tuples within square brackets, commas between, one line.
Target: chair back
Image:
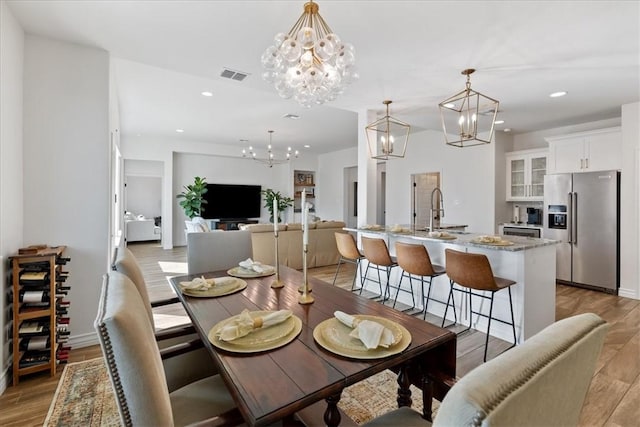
[(542, 382), (347, 246), (125, 262), (376, 251), (217, 250), (414, 259), (131, 354), (470, 270)]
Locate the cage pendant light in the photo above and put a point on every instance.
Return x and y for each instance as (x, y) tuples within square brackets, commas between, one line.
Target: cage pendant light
[(468, 117), (387, 137)]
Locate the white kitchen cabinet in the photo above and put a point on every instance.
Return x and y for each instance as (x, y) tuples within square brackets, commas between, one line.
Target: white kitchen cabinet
[(525, 175), (586, 151)]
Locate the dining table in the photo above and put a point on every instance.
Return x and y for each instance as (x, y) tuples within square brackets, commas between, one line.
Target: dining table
[(274, 384)]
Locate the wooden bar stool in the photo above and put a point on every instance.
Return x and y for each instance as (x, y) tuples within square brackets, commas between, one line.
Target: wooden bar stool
[(415, 261), (349, 252), (377, 254), (473, 272)]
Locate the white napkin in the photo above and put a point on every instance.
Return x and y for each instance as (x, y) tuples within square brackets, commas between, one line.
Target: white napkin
[(202, 284), (372, 334), (244, 324), (256, 266)]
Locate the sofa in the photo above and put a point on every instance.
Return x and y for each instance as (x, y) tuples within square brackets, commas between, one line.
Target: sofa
[(322, 250), (140, 230)]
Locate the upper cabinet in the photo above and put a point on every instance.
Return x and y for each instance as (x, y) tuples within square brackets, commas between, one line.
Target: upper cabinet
[(586, 151), (525, 175)]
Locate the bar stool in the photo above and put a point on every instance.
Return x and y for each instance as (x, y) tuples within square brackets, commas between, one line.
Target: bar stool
[(473, 271), (349, 252), (415, 261), (377, 254)]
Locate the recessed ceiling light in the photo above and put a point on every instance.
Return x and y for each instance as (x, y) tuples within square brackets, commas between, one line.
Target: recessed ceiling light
[(507, 129), (207, 93), (291, 116), (558, 94), (449, 105), (307, 146), (244, 140), (179, 130), (498, 122)]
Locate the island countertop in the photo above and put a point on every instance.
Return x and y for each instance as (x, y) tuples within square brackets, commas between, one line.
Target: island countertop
[(461, 238)]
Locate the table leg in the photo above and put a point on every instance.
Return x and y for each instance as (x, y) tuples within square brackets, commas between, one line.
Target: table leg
[(404, 393), (427, 398), (332, 414)]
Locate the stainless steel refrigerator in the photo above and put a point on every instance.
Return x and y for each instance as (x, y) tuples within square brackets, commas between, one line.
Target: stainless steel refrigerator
[(582, 211)]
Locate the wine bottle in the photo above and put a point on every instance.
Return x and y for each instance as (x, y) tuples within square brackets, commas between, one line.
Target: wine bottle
[(34, 297), (62, 260), (35, 343)]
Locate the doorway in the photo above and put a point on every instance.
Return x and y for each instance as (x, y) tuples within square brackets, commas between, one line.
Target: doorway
[(422, 185)]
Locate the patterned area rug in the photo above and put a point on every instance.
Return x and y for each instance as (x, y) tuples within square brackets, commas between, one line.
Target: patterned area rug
[(84, 397)]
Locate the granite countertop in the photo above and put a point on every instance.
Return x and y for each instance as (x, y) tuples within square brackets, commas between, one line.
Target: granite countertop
[(463, 238)]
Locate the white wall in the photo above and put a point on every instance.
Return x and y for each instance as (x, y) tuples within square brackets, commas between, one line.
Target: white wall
[(467, 177), (330, 191), (530, 140), (11, 183), (66, 168), (630, 203), (144, 195)]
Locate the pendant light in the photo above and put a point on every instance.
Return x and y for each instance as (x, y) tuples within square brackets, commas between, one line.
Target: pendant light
[(387, 137)]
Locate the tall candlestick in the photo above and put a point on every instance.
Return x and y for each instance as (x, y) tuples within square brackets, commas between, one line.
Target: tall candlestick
[(275, 216), (305, 226)]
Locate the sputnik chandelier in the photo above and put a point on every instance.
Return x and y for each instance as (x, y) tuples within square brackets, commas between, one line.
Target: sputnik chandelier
[(310, 63), (270, 160), (468, 117)]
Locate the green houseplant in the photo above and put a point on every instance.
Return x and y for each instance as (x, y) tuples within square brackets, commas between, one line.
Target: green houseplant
[(193, 197), (283, 202)]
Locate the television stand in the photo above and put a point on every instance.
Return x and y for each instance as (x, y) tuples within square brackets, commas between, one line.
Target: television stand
[(231, 224)]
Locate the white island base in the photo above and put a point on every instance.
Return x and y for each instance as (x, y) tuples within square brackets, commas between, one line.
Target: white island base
[(530, 262)]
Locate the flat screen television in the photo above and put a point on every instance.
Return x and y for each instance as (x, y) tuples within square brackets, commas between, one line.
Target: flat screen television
[(230, 201)]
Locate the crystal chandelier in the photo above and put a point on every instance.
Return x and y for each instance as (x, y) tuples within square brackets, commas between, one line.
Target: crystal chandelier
[(387, 137), (310, 63), (468, 117), (270, 160)]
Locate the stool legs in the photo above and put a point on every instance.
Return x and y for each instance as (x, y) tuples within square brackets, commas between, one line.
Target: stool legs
[(450, 298), (410, 286)]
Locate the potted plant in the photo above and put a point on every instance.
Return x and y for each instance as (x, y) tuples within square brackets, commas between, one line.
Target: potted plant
[(283, 202), (193, 197)]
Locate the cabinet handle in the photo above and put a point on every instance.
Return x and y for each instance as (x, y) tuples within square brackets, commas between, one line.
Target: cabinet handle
[(586, 161), (581, 163)]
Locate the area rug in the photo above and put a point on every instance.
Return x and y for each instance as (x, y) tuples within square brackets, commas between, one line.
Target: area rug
[(84, 397)]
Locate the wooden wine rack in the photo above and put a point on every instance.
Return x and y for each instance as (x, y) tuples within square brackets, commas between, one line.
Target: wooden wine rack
[(31, 361)]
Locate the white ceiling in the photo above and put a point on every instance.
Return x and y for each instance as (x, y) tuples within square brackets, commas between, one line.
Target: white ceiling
[(167, 52)]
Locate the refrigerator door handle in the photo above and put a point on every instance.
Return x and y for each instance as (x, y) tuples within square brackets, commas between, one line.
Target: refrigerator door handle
[(570, 217), (574, 220)]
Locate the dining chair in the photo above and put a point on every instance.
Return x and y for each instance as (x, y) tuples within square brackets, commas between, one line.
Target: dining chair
[(349, 252), (194, 362), (134, 365), (217, 250), (414, 260), (473, 273), (542, 382), (376, 252)]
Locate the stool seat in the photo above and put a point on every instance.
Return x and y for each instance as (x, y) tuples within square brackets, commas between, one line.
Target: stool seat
[(415, 261), (473, 272), (349, 252)]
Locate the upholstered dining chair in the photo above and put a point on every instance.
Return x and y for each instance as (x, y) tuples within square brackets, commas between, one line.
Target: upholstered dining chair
[(349, 252), (194, 362), (217, 250), (542, 382), (135, 367)]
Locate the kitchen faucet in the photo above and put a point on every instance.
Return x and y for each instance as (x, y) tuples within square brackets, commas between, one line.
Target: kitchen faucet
[(439, 212)]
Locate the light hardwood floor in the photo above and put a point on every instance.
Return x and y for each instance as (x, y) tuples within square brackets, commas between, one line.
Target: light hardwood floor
[(613, 399)]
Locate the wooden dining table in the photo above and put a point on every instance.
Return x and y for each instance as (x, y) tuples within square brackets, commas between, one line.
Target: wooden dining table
[(273, 385)]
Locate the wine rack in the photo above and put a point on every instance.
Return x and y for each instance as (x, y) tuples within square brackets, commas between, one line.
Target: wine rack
[(40, 330)]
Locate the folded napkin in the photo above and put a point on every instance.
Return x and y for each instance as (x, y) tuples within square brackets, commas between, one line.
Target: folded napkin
[(490, 239), (372, 334), (252, 265), (244, 324), (202, 284), (439, 234), (398, 229)]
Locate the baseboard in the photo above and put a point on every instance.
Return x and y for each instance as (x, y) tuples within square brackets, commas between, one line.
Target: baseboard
[(628, 293), (84, 340)]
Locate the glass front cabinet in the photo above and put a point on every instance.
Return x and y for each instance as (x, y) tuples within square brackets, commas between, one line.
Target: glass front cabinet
[(525, 175)]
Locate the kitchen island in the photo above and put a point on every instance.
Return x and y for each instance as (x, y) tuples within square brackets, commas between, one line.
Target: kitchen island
[(531, 262)]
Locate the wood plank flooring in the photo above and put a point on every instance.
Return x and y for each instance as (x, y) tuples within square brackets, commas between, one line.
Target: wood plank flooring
[(613, 399)]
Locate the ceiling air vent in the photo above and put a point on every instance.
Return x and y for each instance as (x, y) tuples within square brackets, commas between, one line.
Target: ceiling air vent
[(233, 74)]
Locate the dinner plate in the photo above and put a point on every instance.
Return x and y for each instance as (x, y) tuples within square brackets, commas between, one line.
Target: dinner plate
[(262, 339), (333, 336), (499, 243), (249, 274), (229, 286)]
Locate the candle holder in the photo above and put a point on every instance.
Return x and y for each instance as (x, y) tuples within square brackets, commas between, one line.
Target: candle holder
[(305, 298), (276, 281)]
